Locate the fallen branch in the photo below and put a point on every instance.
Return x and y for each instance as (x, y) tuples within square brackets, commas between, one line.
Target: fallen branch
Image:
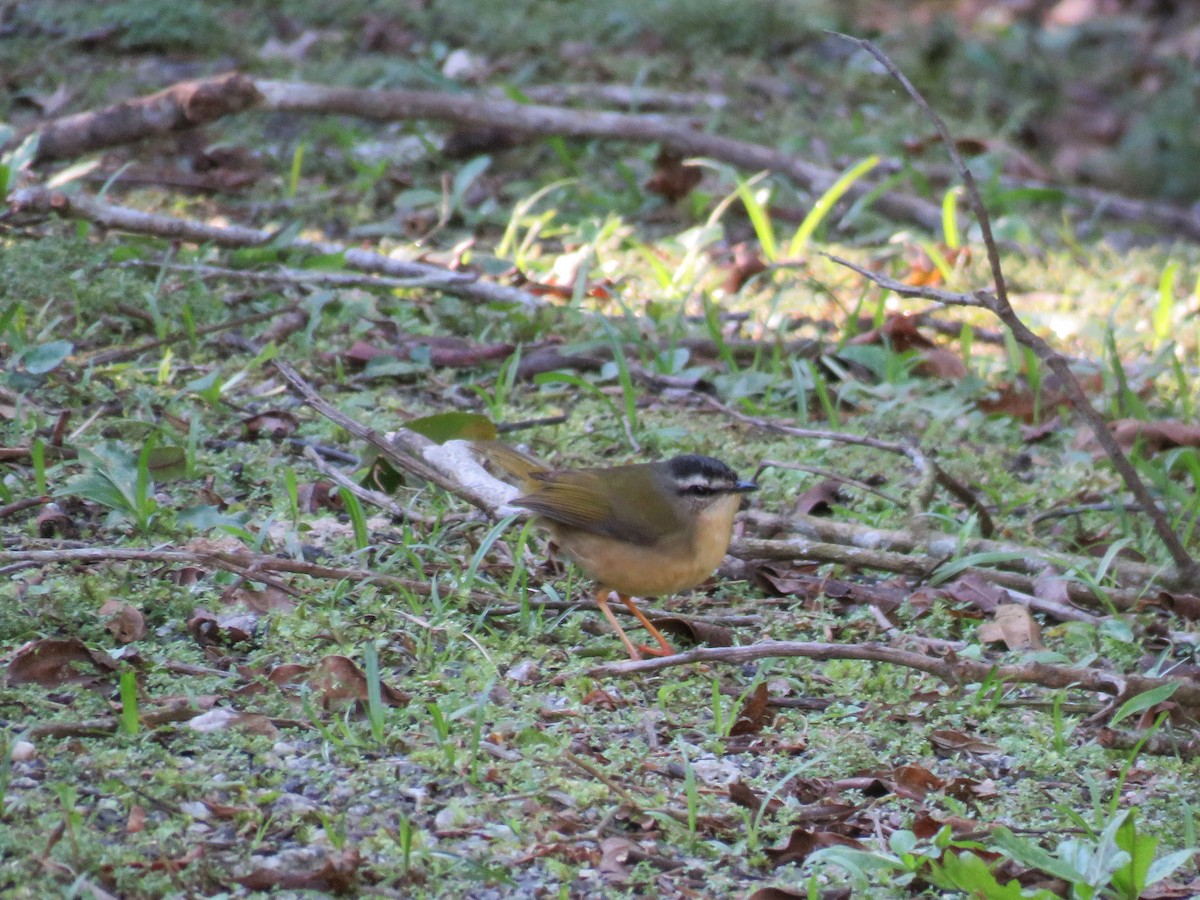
[(526, 118), (180, 107), (953, 670), (41, 201), (938, 547), (930, 472), (998, 304), (406, 449)]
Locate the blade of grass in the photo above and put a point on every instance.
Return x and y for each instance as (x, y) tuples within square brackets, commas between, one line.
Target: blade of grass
[(826, 202)]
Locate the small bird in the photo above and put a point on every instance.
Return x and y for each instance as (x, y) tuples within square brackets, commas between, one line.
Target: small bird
[(645, 530)]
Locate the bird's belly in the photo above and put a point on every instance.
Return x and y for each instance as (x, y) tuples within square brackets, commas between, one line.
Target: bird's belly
[(649, 570)]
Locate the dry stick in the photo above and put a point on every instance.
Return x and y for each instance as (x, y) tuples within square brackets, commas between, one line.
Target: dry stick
[(120, 354), (375, 498), (998, 304), (907, 564), (405, 449), (526, 118), (181, 107), (1018, 560), (296, 277), (46, 202), (955, 671), (929, 471), (241, 562)]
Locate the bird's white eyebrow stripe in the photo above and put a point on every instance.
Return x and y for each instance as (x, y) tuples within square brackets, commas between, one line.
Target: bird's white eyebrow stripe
[(700, 481)]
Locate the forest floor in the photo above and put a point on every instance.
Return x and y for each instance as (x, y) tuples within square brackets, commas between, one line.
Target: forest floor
[(950, 652)]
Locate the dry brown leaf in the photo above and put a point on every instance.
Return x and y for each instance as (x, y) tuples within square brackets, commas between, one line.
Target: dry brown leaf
[(753, 715), (226, 719), (136, 820), (819, 499), (208, 630), (698, 632), (52, 521), (802, 843), (747, 798), (746, 264), (671, 179), (337, 680), (915, 782), (976, 591), (275, 424), (1186, 606), (1153, 437), (900, 333), (1013, 626), (947, 741), (337, 875), (614, 853), (52, 662), (124, 621)]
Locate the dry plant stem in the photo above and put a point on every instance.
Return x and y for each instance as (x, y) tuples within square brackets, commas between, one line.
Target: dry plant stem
[(120, 354), (404, 450), (121, 218), (998, 303), (829, 474), (634, 95), (285, 276), (526, 118), (375, 498), (928, 471), (956, 671), (181, 107), (1024, 564), (920, 567)]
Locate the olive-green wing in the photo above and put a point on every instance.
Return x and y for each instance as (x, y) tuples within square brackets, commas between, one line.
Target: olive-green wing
[(576, 498)]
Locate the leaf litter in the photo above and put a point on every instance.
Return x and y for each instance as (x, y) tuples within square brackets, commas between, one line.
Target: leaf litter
[(287, 661)]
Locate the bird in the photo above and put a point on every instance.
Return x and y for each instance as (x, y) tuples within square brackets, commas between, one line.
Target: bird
[(639, 530)]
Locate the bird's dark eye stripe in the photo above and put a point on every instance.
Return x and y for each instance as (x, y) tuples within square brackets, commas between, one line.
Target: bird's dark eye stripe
[(698, 490)]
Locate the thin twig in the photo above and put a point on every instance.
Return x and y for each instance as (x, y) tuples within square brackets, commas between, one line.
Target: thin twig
[(406, 448), (928, 471), (41, 201), (999, 304), (956, 670), (375, 498)]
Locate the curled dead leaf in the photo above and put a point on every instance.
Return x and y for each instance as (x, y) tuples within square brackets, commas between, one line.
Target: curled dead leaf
[(338, 874), (1153, 437), (338, 680), (803, 843), (275, 424), (223, 719), (946, 741), (52, 662), (753, 715), (124, 621), (698, 632), (1012, 625), (671, 179)]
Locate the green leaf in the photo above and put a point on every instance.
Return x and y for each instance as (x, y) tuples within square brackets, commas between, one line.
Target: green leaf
[(1130, 880), (46, 357), (167, 462), (968, 873), (451, 426), (206, 518), (1144, 701), (1027, 853), (1164, 867)]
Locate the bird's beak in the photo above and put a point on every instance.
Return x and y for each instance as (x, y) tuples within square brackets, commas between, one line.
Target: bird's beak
[(744, 487)]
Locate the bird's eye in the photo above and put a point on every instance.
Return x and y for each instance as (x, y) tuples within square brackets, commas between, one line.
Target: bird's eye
[(698, 490)]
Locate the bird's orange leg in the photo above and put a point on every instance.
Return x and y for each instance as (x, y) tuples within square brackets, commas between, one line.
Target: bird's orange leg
[(602, 602), (666, 648)]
